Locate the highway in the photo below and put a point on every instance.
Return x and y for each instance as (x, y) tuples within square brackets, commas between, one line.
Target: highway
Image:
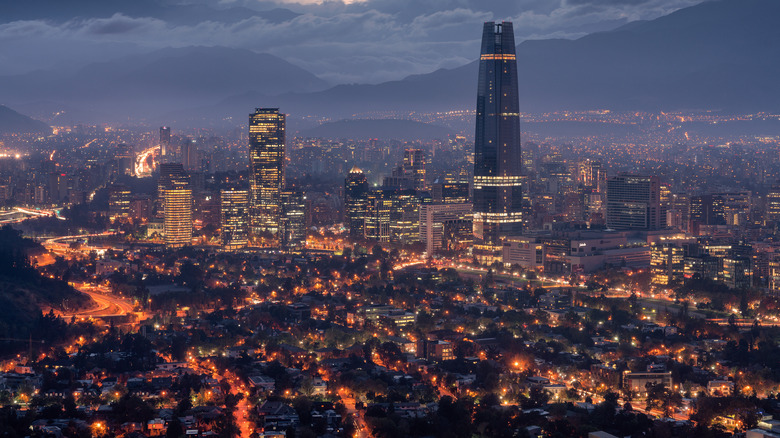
[(108, 305)]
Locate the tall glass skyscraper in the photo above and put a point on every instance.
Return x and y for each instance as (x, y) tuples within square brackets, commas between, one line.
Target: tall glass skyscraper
[(497, 159), (178, 214), (267, 162)]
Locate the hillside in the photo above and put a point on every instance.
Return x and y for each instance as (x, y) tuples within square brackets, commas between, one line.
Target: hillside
[(24, 292), (159, 81), (717, 55), (11, 122)]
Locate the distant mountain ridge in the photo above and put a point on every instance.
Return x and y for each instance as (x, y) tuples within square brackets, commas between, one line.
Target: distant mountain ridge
[(162, 80), (717, 55), (12, 122)]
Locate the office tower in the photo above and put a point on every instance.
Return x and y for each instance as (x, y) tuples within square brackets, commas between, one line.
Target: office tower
[(450, 192), (773, 204), (737, 272), (497, 157), (414, 167), (667, 263), (404, 216), (141, 209), (266, 167), (591, 175), (165, 142), (58, 187), (355, 201), (678, 214), (292, 224), (190, 156), (125, 159), (634, 203), (445, 226), (234, 218), (530, 156), (119, 200), (178, 214), (169, 172), (706, 210), (379, 206)]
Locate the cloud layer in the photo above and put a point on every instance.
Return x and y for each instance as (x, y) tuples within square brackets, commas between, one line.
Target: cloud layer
[(358, 42)]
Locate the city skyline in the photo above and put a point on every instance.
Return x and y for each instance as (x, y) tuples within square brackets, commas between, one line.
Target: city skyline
[(383, 260)]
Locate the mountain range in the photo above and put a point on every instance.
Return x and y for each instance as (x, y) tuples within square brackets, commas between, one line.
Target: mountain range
[(717, 55)]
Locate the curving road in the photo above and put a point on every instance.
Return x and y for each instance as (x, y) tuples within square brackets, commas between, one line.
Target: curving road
[(108, 305)]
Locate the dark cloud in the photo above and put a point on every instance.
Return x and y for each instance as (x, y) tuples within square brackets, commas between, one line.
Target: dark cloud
[(115, 25), (363, 41)]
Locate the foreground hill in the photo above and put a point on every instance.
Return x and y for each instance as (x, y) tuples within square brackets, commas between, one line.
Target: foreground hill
[(24, 292)]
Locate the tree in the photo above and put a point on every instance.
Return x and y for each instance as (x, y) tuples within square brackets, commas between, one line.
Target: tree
[(175, 429), (660, 397)]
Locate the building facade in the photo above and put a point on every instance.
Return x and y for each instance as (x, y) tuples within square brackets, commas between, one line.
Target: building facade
[(356, 202), (292, 231), (266, 168), (445, 226), (234, 218), (634, 203), (178, 214), (497, 158)]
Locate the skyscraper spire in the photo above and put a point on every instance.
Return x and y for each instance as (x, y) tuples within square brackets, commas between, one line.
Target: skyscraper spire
[(497, 159)]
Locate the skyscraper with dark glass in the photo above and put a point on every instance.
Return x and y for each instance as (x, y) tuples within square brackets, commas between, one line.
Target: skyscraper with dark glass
[(266, 167), (356, 202), (497, 159)]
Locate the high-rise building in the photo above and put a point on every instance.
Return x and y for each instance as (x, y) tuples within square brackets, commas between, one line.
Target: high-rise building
[(178, 213), (497, 158), (667, 263), (379, 206), (773, 204), (119, 200), (404, 216), (165, 142), (124, 159), (190, 156), (452, 189), (634, 203), (591, 175), (707, 210), (169, 173), (414, 167), (292, 224), (445, 226), (234, 218), (355, 201), (737, 272), (266, 166)]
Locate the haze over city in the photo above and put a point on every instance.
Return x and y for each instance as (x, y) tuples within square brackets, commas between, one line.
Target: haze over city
[(373, 218)]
